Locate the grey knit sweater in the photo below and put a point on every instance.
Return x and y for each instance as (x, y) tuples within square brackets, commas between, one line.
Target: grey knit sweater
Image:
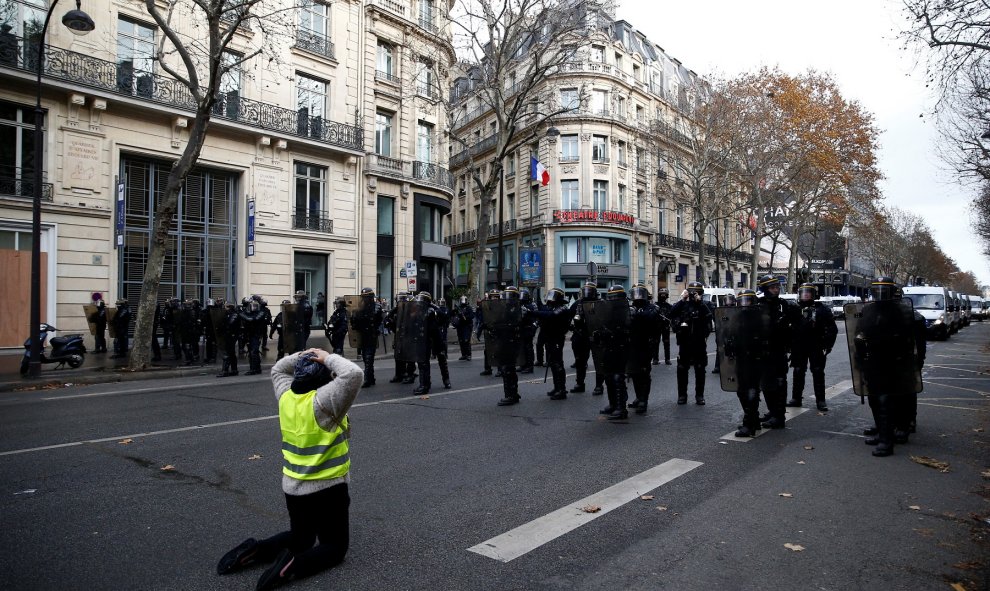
[(330, 406)]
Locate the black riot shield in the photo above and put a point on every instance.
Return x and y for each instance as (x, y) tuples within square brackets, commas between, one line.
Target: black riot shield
[(90, 311), (218, 320), (882, 350), (412, 343), (742, 336), (111, 314), (503, 342), (608, 328), (291, 329), (359, 318)]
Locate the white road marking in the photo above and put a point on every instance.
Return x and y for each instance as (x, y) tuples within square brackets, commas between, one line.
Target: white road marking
[(929, 381), (957, 369), (831, 392), (844, 433), (954, 407), (532, 535)]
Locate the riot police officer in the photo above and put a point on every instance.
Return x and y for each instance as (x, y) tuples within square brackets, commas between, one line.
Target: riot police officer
[(783, 318), (170, 327), (443, 317), (266, 315), (528, 331), (580, 339), (644, 333), (405, 371), (121, 324), (369, 325), (336, 327), (227, 334), (608, 328), (437, 348), (729, 302), (555, 321), (692, 322), (502, 339), (100, 321), (745, 350), (278, 327), (480, 317), (209, 332), (304, 320), (462, 319), (814, 337), (252, 327)]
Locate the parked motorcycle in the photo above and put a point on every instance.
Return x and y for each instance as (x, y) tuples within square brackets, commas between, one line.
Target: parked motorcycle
[(68, 349)]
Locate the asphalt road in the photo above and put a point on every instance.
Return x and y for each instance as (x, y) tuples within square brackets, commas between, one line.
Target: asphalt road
[(85, 502)]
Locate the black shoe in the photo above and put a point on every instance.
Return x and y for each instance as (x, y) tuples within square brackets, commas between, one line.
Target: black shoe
[(395, 380), (640, 409), (368, 383), (252, 372), (635, 403), (882, 451), (872, 441), (273, 577), (744, 431), (558, 395), (822, 407), (498, 374), (715, 370), (241, 556), (577, 389), (597, 391), (487, 372), (682, 399), (159, 358), (900, 437), (573, 365), (870, 431), (446, 384), (539, 362), (793, 403), (765, 417), (408, 380), (462, 358), (607, 410), (508, 400), (699, 400), (912, 427), (773, 423), (619, 414), (421, 390), (666, 361), (655, 362), (526, 370)]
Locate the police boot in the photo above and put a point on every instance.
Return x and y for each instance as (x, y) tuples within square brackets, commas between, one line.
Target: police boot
[(621, 397), (578, 388), (599, 383), (223, 371), (682, 384), (444, 370), (511, 395), (819, 383), (797, 393)]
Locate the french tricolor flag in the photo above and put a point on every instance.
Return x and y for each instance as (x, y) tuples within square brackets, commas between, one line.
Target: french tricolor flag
[(538, 172)]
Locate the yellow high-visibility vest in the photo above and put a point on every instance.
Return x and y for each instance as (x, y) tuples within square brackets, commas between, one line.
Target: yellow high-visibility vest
[(309, 451)]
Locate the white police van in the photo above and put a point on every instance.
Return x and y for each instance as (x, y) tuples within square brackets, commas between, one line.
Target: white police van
[(935, 305)]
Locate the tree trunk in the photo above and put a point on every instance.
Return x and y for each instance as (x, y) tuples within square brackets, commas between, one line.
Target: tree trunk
[(757, 237), (484, 225), (792, 260)]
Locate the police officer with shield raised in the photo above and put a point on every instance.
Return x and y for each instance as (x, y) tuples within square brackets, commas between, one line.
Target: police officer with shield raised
[(121, 324), (692, 322), (336, 327), (432, 327), (365, 322), (404, 372), (304, 320), (580, 339), (814, 337), (663, 309), (742, 334), (227, 323), (644, 333), (253, 327), (784, 316), (462, 319), (555, 321), (503, 323), (608, 328)]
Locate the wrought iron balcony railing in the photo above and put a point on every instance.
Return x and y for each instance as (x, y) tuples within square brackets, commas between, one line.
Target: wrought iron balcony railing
[(123, 79), (314, 42), (387, 77), (22, 186), (425, 173), (317, 221), (433, 174), (683, 244)]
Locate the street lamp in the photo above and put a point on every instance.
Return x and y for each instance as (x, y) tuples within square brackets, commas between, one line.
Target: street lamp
[(79, 23)]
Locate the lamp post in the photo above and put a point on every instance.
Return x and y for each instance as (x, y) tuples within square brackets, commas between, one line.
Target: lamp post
[(79, 23)]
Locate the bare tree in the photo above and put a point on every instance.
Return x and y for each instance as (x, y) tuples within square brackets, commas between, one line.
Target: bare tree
[(198, 60), (509, 50)]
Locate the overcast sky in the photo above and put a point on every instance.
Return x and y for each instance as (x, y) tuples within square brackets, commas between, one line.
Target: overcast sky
[(855, 41)]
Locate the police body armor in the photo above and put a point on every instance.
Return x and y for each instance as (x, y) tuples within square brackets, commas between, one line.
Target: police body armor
[(218, 320), (412, 343), (290, 323), (91, 312), (607, 323), (882, 347), (360, 319), (503, 338), (742, 336)]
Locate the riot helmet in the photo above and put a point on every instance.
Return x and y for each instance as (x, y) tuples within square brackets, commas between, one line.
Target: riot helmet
[(746, 298), (300, 296), (230, 306), (730, 300), (494, 294), (367, 292), (424, 296), (884, 288), (442, 302), (769, 285), (210, 302), (525, 296), (402, 296), (589, 291), (510, 293), (340, 304), (662, 294), (286, 302), (807, 293), (695, 290), (639, 293), (464, 300), (121, 302), (556, 296), (616, 292), (245, 302), (254, 306)]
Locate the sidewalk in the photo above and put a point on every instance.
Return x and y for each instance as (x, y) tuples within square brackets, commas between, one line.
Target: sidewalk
[(100, 369)]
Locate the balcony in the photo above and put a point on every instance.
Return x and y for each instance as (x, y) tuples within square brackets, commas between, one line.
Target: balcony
[(122, 79), (433, 174), (569, 158), (693, 246), (479, 147), (424, 173), (600, 160), (392, 6), (427, 92), (314, 42), (384, 76), (20, 183), (313, 220), (428, 25), (472, 235)]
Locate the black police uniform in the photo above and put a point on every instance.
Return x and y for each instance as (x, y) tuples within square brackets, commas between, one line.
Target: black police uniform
[(580, 345), (463, 321), (555, 321), (231, 330), (663, 310), (336, 329), (101, 327), (253, 326), (814, 337), (121, 324), (369, 325), (692, 321), (644, 333), (784, 316)]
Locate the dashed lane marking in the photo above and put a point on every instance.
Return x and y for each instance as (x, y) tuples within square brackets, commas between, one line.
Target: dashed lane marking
[(831, 392), (530, 536)]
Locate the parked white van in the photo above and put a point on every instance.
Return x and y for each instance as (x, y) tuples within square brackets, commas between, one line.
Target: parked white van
[(934, 304), (979, 307), (838, 302), (965, 311), (716, 295), (954, 317)]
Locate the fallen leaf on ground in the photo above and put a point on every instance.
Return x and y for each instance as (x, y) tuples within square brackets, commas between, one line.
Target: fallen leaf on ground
[(168, 468), (914, 507), (647, 497), (971, 565), (661, 508), (925, 531), (809, 447), (424, 397), (801, 462), (978, 430), (126, 441), (254, 457), (931, 463), (591, 508), (785, 495), (723, 443), (957, 587), (794, 547)]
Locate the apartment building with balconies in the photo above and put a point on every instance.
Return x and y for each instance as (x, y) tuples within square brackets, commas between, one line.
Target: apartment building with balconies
[(281, 198), (609, 200)]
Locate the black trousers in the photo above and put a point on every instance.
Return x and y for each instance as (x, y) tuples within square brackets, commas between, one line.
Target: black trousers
[(322, 516), (749, 399), (254, 352), (120, 345), (528, 354), (368, 356), (665, 339), (582, 351), (337, 343), (618, 394), (800, 359), (510, 381), (101, 340), (555, 359), (541, 345), (774, 384), (156, 350), (642, 382), (230, 356)]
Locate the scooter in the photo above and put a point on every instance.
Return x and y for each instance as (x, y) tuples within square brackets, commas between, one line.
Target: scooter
[(65, 350)]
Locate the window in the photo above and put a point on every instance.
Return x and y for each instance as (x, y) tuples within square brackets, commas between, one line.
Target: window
[(384, 277), (622, 153), (569, 148), (510, 165), (313, 19), (600, 196), (640, 199), (17, 150), (462, 219), (477, 214), (662, 216), (679, 229), (424, 79), (573, 250), (463, 263), (618, 62), (311, 190), (430, 224), (534, 200), (599, 148), (640, 159), (641, 255), (636, 73), (569, 98), (599, 102), (511, 203), (311, 103), (386, 216), (383, 133), (598, 54), (135, 58), (569, 196), (426, 13), (620, 204), (639, 113), (384, 62), (424, 142)]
